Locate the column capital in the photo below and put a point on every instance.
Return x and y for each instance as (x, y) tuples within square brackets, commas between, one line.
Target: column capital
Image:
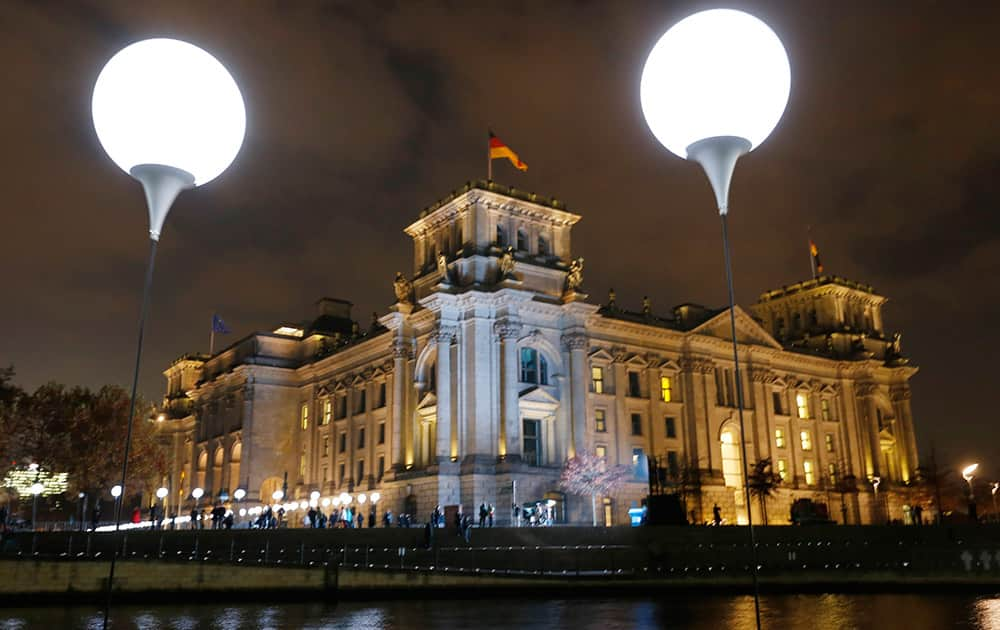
[(575, 341), (507, 329), (865, 388), (444, 334), (402, 348)]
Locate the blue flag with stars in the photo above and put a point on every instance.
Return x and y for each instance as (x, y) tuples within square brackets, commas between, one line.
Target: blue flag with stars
[(219, 326)]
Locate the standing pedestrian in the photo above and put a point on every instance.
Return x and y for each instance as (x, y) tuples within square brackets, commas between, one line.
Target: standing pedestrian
[(716, 515), (489, 514), (517, 515), (482, 515), (361, 519), (371, 517)]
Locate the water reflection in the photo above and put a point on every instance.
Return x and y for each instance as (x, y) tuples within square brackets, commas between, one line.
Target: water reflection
[(695, 612)]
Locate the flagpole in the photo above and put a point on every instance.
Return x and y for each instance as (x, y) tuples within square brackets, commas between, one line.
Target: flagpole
[(211, 340), (812, 259), (489, 160)]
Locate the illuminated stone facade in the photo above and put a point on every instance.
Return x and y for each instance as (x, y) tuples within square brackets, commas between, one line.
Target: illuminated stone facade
[(493, 367)]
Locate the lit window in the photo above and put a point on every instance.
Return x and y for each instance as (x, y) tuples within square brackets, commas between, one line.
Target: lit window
[(828, 438), (305, 417), (671, 427), (665, 388), (806, 438), (636, 424), (731, 469), (832, 468), (597, 380), (779, 438), (802, 403), (601, 451), (824, 408), (639, 463), (327, 411), (807, 468), (600, 421), (782, 469)]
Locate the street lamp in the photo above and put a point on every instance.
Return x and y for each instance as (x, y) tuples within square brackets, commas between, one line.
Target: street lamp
[(197, 493), (968, 473), (171, 116), (993, 490), (713, 88), (161, 494), (277, 495), (36, 489)]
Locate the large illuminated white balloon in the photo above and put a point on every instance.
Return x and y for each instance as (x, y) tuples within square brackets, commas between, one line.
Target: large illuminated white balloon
[(167, 102), (716, 73)]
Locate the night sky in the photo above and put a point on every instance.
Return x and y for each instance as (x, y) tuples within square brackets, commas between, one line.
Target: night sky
[(359, 114)]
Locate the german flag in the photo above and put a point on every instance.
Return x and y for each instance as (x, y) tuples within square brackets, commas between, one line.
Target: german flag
[(814, 252), (500, 150)]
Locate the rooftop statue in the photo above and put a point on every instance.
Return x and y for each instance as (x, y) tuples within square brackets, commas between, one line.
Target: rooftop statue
[(574, 278), (403, 288), (505, 266)]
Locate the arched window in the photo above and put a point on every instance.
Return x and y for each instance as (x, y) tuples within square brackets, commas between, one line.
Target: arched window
[(543, 246), (501, 237), (522, 240), (796, 322), (534, 367), (732, 471), (234, 465), (202, 467)]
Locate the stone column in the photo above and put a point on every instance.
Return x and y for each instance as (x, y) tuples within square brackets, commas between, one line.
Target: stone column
[(577, 344), (445, 336), (510, 427), (400, 354)]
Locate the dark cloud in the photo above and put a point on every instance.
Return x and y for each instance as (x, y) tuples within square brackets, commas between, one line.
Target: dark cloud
[(361, 114)]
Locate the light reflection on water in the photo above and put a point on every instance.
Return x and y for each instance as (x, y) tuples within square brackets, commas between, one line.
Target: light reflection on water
[(695, 612)]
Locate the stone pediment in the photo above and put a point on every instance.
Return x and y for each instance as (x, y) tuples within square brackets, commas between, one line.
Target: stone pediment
[(537, 395), (602, 355), (748, 331), (429, 400)]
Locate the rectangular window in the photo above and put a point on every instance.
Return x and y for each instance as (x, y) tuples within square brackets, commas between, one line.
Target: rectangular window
[(326, 476), (359, 400), (779, 438), (824, 408), (597, 380), (807, 468), (633, 384), (828, 439), (636, 424), (340, 474), (342, 443), (665, 389), (381, 396), (361, 471), (361, 437), (639, 463), (673, 464), (601, 451), (381, 433), (381, 467), (326, 446), (724, 387), (779, 409), (340, 406), (783, 469), (802, 405), (600, 421), (531, 431), (327, 411), (832, 470), (302, 463), (806, 438), (305, 417), (671, 427)]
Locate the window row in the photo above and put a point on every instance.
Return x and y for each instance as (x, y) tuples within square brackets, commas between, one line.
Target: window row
[(808, 472), (802, 406), (361, 440), (601, 424), (522, 241), (805, 440), (336, 408), (379, 472), (599, 384)]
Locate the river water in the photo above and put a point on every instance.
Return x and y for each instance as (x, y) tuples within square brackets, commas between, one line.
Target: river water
[(701, 612)]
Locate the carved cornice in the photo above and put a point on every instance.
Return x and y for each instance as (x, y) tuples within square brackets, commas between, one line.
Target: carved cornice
[(865, 388), (763, 375), (696, 366), (507, 329), (900, 393), (575, 341)]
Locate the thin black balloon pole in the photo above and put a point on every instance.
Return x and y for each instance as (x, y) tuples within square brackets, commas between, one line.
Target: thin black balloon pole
[(739, 410), (131, 420)]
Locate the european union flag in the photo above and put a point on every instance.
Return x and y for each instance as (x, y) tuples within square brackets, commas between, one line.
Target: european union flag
[(219, 326)]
